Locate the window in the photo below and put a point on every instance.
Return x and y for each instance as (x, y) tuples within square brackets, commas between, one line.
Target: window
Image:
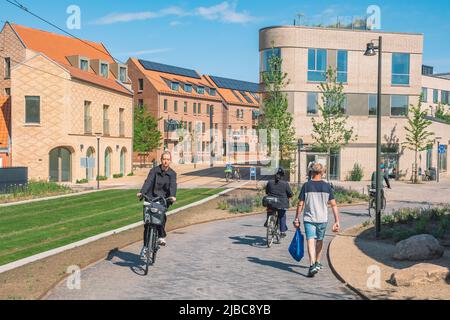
[(203, 127), (123, 74), (87, 117), (443, 160), (165, 105), (342, 65), (32, 109), (345, 104), (399, 105), (435, 96), (8, 92), (7, 68), (121, 123), (141, 85), (400, 68), (311, 103), (201, 90), (373, 98), (106, 120), (190, 126), (199, 110), (212, 91), (424, 94), (246, 97), (185, 107), (84, 64), (175, 106), (236, 95), (104, 70), (317, 64), (174, 86), (267, 54), (238, 113), (195, 108), (445, 98), (187, 87)]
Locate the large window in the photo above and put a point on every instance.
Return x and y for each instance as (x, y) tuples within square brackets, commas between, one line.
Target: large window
[(435, 96), (400, 68), (317, 64), (32, 109), (342, 66), (311, 104), (87, 118), (123, 74), (175, 106), (399, 105), (443, 160), (424, 94), (7, 68), (165, 105), (104, 70), (373, 99), (445, 97), (267, 54), (106, 120), (185, 107)]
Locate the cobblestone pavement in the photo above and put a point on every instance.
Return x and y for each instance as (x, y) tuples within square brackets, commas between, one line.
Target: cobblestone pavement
[(218, 260)]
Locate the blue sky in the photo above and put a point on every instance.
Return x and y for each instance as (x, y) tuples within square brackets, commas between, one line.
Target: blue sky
[(220, 37)]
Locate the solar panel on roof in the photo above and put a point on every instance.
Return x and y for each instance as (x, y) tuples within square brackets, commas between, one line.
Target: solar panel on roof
[(154, 66), (235, 84)]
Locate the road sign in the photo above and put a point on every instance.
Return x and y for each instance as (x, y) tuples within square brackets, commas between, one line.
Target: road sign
[(442, 149), (252, 172)]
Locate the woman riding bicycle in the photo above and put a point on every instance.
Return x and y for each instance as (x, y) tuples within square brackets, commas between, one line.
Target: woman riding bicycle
[(161, 182), (281, 190)]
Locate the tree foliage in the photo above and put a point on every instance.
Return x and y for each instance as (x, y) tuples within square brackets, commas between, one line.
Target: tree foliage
[(147, 137)]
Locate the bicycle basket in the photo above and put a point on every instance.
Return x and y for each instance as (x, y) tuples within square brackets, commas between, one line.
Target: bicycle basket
[(155, 214), (269, 202)]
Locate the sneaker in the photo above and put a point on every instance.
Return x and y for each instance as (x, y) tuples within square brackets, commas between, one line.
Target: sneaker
[(319, 266), (283, 235), (144, 252), (162, 242), (312, 271)]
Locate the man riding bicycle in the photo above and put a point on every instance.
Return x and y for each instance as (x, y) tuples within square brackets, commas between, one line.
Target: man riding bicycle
[(384, 175), (281, 190), (161, 182)]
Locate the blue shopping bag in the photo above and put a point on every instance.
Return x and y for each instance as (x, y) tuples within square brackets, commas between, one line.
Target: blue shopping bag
[(296, 248)]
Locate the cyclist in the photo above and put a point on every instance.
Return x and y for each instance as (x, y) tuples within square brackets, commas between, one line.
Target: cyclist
[(228, 169), (385, 175), (282, 191), (161, 182), (237, 174)]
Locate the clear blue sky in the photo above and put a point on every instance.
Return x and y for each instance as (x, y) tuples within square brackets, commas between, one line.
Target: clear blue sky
[(221, 37)]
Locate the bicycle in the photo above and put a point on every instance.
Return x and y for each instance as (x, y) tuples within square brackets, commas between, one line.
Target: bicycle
[(237, 175), (154, 216), (373, 201), (273, 229), (228, 176)]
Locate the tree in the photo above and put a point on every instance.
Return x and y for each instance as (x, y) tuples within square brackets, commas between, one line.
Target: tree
[(417, 136), (331, 132), (275, 108), (442, 114), (147, 137)]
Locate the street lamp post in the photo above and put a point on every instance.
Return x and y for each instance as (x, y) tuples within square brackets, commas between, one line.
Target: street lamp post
[(438, 159), (98, 135), (371, 51), (300, 146)]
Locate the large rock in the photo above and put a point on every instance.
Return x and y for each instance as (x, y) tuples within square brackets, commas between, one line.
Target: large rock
[(420, 274), (421, 247)]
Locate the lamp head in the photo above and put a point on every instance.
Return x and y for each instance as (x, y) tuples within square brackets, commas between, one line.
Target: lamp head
[(370, 51)]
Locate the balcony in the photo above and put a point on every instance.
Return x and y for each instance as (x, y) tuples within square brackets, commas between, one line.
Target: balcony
[(122, 128), (88, 125), (106, 127)]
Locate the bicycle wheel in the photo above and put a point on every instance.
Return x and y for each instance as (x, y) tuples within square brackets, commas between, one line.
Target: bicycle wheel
[(150, 239), (383, 203), (372, 208), (270, 230), (277, 233), (155, 245)]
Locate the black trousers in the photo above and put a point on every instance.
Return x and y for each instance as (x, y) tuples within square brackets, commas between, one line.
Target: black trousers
[(161, 230)]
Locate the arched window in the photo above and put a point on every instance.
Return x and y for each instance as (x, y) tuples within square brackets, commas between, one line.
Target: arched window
[(60, 165)]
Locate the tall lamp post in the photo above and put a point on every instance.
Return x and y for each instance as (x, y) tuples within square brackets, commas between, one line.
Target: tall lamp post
[(98, 135), (438, 142), (372, 51), (299, 146)]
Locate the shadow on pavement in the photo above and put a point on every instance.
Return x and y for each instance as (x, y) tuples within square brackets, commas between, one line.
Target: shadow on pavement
[(278, 265), (253, 241), (129, 260)]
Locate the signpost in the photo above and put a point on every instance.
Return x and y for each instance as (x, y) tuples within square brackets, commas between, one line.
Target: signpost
[(253, 175), (442, 149)]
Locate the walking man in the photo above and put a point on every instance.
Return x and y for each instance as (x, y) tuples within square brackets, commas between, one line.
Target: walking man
[(315, 197)]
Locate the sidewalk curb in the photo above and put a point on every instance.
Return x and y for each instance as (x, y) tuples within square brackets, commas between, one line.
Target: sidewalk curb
[(46, 254), (337, 275)]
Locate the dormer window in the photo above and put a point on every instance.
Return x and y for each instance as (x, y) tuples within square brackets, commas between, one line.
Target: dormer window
[(84, 64), (212, 91), (104, 70), (188, 88), (201, 90), (174, 86), (123, 74)]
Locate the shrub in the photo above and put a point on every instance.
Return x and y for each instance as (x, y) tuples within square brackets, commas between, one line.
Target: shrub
[(388, 220), (117, 176), (131, 174), (82, 181), (102, 178), (356, 174)]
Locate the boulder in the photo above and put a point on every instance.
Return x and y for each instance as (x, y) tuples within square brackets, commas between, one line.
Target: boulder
[(420, 274), (417, 248)]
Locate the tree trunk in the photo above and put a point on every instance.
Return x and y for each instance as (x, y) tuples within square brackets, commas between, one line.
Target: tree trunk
[(415, 167)]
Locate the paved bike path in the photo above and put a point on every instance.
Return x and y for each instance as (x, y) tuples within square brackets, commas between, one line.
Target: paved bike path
[(218, 260)]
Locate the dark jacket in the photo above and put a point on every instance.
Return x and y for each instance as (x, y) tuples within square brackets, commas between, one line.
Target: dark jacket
[(384, 175), (160, 183), (281, 190)]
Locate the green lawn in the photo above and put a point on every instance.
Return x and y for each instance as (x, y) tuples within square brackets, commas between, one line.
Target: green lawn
[(33, 228)]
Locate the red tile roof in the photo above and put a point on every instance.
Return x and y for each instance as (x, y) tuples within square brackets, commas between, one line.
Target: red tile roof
[(58, 47), (5, 118)]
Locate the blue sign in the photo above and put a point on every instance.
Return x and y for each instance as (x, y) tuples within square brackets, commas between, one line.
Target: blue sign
[(442, 149), (252, 172)]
